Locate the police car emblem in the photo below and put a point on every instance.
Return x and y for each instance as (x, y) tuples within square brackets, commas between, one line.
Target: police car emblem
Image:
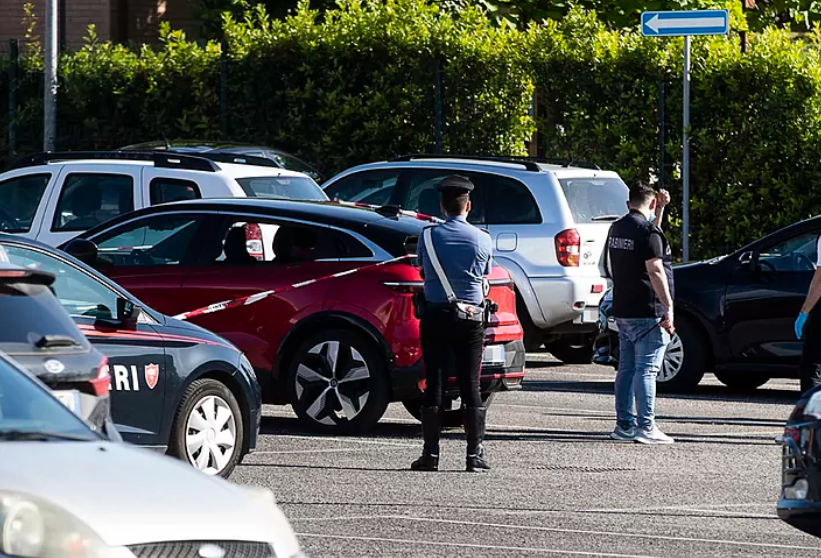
[(152, 375), (211, 551), (54, 366)]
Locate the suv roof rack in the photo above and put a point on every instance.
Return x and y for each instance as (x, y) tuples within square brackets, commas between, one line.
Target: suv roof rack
[(530, 163), (160, 159), (233, 158)]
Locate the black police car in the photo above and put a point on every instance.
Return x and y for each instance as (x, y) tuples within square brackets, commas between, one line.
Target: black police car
[(800, 501), (37, 333), (734, 315), (174, 386)]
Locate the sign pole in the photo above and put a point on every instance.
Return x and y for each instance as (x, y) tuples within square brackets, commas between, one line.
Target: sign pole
[(50, 82), (685, 171), (685, 23)]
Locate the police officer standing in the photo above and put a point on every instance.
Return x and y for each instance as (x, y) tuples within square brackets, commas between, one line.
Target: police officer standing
[(639, 263), (453, 258)]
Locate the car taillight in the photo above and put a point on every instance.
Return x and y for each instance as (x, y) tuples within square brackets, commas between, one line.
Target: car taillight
[(568, 247), (9, 273), (793, 434), (102, 382), (253, 240), (405, 286)]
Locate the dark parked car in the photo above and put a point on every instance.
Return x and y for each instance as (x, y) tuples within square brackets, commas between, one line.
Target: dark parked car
[(281, 158), (174, 386), (734, 315), (36, 332), (800, 501)]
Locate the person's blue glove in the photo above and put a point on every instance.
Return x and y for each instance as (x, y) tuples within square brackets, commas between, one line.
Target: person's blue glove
[(799, 324)]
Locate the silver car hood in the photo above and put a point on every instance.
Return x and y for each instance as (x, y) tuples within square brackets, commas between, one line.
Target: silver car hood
[(131, 496)]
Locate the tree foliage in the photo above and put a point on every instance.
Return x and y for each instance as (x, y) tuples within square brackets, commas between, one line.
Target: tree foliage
[(359, 84)]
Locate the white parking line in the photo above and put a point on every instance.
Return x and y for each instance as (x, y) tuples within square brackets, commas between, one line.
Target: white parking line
[(469, 545), (521, 527), (344, 440), (334, 450)]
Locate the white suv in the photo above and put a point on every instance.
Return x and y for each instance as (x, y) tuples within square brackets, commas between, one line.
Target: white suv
[(53, 197), (549, 224)]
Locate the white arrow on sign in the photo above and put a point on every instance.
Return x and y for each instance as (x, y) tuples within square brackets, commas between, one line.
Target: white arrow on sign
[(657, 23)]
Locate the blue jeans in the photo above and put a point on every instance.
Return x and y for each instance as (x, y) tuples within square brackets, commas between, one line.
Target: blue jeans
[(641, 346)]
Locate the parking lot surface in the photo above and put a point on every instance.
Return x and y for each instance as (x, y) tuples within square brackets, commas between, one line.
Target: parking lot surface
[(559, 486)]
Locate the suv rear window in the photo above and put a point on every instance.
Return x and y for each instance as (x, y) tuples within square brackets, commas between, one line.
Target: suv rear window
[(282, 187), (36, 313), (595, 199), (19, 198)]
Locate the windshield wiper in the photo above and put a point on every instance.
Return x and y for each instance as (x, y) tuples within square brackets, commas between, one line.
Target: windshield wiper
[(40, 436), (607, 218), (54, 341)]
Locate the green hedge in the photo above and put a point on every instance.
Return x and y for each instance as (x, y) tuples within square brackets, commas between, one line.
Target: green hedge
[(360, 84)]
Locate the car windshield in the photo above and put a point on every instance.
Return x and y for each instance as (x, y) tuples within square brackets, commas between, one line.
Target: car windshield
[(283, 188), (37, 314), (27, 409), (594, 200)]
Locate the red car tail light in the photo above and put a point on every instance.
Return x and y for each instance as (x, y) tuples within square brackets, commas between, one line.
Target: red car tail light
[(793, 434), (408, 287), (253, 240), (568, 247), (102, 382)]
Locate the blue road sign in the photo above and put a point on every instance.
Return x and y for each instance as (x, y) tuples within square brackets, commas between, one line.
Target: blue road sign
[(690, 22)]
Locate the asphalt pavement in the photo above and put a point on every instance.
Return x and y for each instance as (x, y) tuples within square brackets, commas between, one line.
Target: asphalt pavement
[(559, 486)]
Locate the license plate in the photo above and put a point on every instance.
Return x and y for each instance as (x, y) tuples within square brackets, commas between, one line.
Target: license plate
[(590, 315), (70, 399), (494, 355)]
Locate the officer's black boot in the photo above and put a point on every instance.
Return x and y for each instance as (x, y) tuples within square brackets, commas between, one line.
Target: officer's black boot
[(475, 431), (431, 425)]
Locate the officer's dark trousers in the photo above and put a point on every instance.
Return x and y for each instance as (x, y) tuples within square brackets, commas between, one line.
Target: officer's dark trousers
[(810, 365), (451, 347)]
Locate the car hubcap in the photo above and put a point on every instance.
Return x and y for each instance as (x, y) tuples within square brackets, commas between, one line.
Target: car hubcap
[(673, 359), (211, 434), (332, 383)]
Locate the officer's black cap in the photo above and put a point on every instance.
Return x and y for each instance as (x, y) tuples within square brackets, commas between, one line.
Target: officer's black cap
[(455, 184)]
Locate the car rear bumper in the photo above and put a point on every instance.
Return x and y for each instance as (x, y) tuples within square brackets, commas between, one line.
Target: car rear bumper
[(409, 382), (568, 302)]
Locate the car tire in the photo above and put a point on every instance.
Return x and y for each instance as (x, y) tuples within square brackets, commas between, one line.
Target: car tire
[(533, 336), (684, 373), (349, 404), (452, 418), (742, 381), (573, 353), (208, 428)]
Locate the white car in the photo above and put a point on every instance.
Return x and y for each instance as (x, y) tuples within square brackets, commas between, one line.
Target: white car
[(53, 197), (548, 220), (65, 492)]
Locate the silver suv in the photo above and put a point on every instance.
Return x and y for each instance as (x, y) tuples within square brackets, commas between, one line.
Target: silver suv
[(549, 223)]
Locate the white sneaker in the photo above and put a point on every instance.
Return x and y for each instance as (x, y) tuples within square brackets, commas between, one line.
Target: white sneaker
[(653, 436), (624, 435)]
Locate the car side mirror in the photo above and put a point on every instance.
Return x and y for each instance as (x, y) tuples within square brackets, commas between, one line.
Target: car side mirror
[(127, 313), (750, 261), (84, 250)]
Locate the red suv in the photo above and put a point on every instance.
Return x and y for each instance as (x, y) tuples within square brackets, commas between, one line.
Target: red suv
[(338, 349)]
